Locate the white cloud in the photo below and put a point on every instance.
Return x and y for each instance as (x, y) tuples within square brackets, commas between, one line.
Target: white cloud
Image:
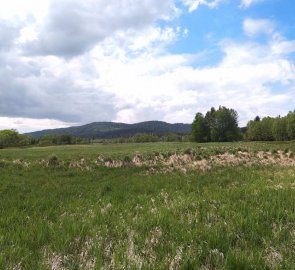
[(254, 27), (150, 38), (27, 34), (125, 116), (167, 86), (194, 4), (22, 10), (243, 80), (72, 27), (122, 70), (283, 47), (248, 3), (156, 85), (28, 124)]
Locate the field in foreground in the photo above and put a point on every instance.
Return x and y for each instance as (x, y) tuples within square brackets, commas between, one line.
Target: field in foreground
[(146, 206)]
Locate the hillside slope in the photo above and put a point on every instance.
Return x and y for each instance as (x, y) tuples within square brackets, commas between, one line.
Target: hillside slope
[(114, 130)]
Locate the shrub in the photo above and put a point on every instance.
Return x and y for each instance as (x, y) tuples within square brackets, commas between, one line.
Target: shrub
[(53, 160), (199, 157), (3, 163), (127, 159), (188, 151)]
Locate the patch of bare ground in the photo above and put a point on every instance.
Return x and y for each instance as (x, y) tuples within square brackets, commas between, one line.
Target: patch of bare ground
[(165, 163), (273, 258), (21, 163), (55, 261), (185, 162), (80, 164)]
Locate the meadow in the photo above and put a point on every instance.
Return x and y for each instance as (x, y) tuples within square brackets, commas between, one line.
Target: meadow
[(148, 206)]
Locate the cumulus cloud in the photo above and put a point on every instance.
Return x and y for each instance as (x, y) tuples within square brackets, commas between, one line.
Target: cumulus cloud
[(47, 87), (92, 60), (30, 124), (194, 4), (50, 88), (57, 97), (8, 33), (254, 27), (283, 47), (74, 27), (246, 79), (15, 10), (248, 3), (169, 88)]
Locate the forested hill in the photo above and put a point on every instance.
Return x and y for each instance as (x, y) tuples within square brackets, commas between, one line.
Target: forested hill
[(106, 130)]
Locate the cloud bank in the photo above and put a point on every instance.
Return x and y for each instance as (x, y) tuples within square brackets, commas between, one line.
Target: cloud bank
[(82, 61)]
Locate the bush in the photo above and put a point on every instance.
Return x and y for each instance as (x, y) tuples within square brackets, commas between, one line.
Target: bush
[(9, 138), (157, 154), (58, 140), (127, 159), (3, 163), (188, 151), (53, 160)]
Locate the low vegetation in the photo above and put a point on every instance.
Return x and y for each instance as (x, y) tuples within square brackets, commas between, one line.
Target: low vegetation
[(148, 206)]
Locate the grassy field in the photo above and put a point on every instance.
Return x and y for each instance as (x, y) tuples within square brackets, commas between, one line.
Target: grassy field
[(121, 150), (70, 207)]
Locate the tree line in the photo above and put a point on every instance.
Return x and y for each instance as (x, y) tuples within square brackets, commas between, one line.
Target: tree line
[(217, 125), (13, 138), (272, 129), (221, 125), (10, 138)]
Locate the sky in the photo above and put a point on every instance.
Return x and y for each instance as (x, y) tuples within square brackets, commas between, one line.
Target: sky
[(65, 63)]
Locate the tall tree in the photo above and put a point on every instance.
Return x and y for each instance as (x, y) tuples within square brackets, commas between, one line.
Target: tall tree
[(291, 125), (9, 137), (261, 130), (217, 125), (279, 129), (199, 129), (257, 119), (267, 129), (225, 125), (254, 131), (209, 121)]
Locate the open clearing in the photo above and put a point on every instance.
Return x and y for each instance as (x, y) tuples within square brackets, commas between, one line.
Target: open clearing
[(149, 206)]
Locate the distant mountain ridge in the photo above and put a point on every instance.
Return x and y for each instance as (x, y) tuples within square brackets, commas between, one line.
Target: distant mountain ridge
[(105, 130)]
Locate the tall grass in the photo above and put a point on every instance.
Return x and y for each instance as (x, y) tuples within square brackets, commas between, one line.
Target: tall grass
[(123, 218)]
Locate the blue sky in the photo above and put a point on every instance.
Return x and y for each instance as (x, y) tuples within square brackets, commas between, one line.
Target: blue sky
[(209, 26), (71, 62)]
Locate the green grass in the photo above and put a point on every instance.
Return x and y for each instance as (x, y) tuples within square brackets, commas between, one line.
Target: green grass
[(121, 150), (115, 218)]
